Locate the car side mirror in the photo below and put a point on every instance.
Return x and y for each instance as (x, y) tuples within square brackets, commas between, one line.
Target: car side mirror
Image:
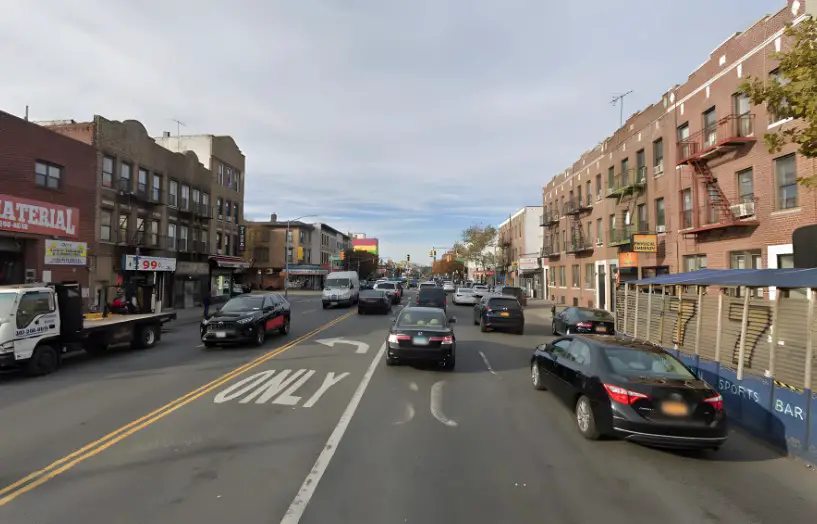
[(268, 308), (393, 320), (452, 320)]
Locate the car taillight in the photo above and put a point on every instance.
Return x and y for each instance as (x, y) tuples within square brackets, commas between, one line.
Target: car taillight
[(623, 395), (586, 325), (394, 339), (489, 310), (444, 340), (716, 401)]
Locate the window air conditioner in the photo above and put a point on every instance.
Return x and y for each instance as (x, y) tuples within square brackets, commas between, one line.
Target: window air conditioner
[(660, 229), (746, 209)]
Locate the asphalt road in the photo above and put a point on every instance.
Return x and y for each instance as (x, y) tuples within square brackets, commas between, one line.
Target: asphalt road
[(322, 431)]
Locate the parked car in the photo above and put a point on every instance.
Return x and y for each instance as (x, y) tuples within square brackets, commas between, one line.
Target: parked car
[(497, 312), (246, 318), (574, 320), (374, 301), (634, 390), (422, 334), (517, 292)]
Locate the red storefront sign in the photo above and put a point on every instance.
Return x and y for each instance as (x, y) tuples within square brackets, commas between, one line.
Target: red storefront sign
[(39, 218)]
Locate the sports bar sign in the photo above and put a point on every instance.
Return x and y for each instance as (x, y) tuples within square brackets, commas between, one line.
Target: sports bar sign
[(40, 218)]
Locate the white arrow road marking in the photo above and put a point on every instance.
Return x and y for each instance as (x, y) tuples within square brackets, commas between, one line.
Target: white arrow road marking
[(437, 404), (408, 414), (362, 347), (298, 506), (487, 364)]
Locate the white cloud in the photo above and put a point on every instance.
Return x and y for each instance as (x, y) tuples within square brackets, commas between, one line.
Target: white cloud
[(406, 120)]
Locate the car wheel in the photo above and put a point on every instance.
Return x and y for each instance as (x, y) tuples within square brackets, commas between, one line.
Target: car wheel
[(325, 306), (482, 326), (45, 360), (390, 361), (536, 377), (476, 321), (521, 330), (209, 345), (260, 335), (359, 311), (146, 337), (450, 363), (553, 328), (285, 328), (585, 420)]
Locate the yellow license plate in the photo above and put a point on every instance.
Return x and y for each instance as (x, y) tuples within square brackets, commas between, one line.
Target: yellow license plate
[(504, 314), (675, 409)]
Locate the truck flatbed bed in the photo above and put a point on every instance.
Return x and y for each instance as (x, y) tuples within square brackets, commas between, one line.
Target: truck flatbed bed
[(90, 324)]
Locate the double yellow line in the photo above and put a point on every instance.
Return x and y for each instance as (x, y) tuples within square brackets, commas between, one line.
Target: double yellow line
[(42, 476)]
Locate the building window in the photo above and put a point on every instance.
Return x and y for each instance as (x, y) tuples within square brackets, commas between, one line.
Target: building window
[(220, 169), (196, 199), (235, 211), (598, 186), (229, 181), (153, 233), (562, 276), (226, 244), (640, 165), (185, 200), (660, 219), (107, 171), (746, 186), (590, 275), (218, 241), (743, 107), (47, 175), (785, 173), (123, 228), (686, 208), (781, 112), (710, 126), (171, 236), (683, 140), (105, 219), (694, 262), (599, 231), (156, 191), (182, 238), (643, 225), (575, 275), (125, 182), (589, 194), (611, 177), (235, 245), (552, 276), (751, 259), (173, 194), (658, 157), (219, 208), (237, 181), (227, 207)]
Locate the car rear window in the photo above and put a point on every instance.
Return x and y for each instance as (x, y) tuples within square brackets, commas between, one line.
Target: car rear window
[(504, 302), (594, 314), (634, 363), (421, 318), (372, 293), (385, 285)]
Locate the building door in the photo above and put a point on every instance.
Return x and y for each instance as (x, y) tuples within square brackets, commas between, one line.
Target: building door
[(602, 283), (612, 286)]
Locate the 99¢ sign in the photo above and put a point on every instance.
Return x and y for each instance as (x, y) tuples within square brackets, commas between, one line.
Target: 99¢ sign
[(137, 263)]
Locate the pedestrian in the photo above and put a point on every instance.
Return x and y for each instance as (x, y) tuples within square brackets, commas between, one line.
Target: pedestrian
[(206, 302)]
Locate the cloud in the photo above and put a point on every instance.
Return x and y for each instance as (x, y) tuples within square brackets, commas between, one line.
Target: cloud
[(404, 120)]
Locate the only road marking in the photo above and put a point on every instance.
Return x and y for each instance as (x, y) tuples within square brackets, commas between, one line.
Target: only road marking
[(62, 465), (262, 387), (362, 347)]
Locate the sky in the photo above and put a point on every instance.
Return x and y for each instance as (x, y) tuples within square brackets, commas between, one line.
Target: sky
[(408, 121)]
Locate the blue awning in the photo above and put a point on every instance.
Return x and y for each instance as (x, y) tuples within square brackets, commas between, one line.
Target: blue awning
[(789, 278)]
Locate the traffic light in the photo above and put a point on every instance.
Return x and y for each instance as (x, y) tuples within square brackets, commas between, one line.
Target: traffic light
[(343, 255), (408, 258)]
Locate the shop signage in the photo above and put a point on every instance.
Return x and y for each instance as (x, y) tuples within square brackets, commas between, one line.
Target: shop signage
[(627, 260), (242, 238), (527, 264), (192, 268), (139, 263), (39, 218), (62, 253), (645, 243)]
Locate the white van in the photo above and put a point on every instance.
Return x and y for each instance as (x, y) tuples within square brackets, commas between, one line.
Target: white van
[(341, 287)]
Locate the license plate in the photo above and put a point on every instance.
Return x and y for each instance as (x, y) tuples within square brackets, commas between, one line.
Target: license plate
[(333, 303), (675, 409), (601, 329), (504, 314), (420, 341), (221, 334)]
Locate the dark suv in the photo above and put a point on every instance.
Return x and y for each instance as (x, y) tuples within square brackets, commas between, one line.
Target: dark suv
[(517, 292), (432, 297)]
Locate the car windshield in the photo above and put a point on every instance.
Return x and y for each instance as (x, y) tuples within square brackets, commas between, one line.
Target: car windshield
[(7, 302), (246, 303), (337, 282), (417, 318), (633, 363), (594, 314)]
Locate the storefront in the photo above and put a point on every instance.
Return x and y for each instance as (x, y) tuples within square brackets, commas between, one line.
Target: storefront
[(226, 274), (530, 277), (306, 276), (191, 283), (150, 279)]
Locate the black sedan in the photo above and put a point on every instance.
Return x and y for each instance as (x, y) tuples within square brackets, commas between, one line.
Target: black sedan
[(630, 389), (422, 334), (575, 320), (246, 318), (373, 301)]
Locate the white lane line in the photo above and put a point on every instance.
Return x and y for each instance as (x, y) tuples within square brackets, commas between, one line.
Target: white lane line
[(298, 505), (308, 311), (200, 346), (487, 364), (408, 414), (413, 386), (437, 404)]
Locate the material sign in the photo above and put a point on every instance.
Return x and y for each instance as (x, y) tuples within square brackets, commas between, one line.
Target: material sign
[(139, 263), (39, 218), (63, 253)]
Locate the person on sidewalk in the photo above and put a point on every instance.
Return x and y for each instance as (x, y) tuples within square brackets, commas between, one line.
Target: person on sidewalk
[(206, 302)]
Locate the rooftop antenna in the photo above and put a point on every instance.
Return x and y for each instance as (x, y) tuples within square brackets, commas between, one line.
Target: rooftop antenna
[(179, 124), (26, 112), (620, 98)]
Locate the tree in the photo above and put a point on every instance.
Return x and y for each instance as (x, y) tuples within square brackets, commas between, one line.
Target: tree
[(448, 265), (476, 239), (363, 262), (792, 93)]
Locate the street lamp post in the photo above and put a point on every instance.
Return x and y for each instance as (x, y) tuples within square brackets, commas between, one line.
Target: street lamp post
[(286, 252)]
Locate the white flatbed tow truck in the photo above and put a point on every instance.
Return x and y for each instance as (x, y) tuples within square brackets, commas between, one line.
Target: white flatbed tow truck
[(39, 323)]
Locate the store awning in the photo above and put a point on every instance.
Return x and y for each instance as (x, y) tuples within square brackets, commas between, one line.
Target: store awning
[(229, 262), (789, 278)]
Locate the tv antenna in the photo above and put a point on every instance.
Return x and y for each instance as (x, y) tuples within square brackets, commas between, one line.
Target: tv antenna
[(620, 99), (179, 125)]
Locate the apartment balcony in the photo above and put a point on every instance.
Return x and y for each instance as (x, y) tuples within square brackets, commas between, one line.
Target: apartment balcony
[(550, 251), (623, 235), (203, 211), (710, 218), (185, 206), (628, 182), (148, 195), (579, 244), (577, 206), (725, 135), (549, 219)]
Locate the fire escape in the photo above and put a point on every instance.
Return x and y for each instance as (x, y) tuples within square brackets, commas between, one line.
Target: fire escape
[(575, 208), (724, 136), (550, 220), (626, 188)]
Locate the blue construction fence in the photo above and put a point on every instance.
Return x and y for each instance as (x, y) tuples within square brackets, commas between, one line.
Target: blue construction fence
[(775, 406)]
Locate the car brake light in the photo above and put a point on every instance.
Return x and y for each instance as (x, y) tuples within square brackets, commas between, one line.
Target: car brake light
[(623, 395), (394, 339), (444, 340), (716, 401), (586, 325), (488, 310)]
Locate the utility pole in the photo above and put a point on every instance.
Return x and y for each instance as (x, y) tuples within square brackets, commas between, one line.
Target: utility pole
[(619, 99)]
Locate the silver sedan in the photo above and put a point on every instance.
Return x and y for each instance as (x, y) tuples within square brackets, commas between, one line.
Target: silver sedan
[(465, 296)]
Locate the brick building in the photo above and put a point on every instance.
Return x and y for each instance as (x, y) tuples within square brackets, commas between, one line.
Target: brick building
[(47, 230), (153, 212), (266, 249), (520, 240), (685, 184)]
